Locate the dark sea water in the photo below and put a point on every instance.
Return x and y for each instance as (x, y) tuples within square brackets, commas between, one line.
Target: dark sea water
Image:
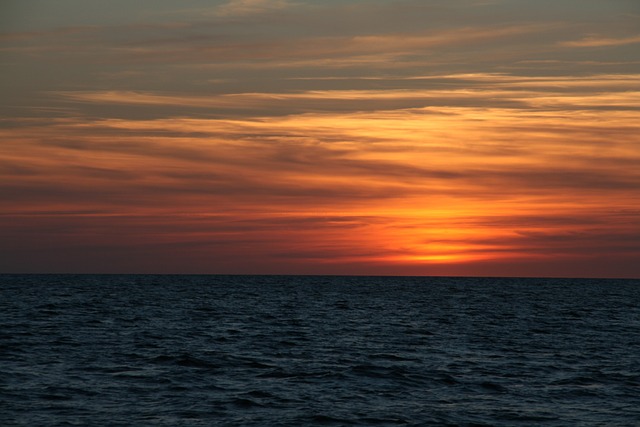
[(297, 351)]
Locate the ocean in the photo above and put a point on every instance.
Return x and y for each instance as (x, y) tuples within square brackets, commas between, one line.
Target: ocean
[(177, 350)]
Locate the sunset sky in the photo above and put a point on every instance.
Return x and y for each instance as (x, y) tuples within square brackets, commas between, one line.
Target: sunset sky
[(396, 137)]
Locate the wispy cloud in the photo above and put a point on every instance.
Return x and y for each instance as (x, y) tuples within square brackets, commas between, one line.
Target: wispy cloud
[(250, 7), (463, 185), (600, 41), (457, 90), (198, 44)]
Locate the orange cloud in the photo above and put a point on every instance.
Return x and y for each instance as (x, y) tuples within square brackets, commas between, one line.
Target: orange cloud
[(426, 188), (478, 89)]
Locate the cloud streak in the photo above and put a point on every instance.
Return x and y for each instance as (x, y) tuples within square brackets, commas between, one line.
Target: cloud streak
[(472, 90), (250, 7), (597, 41)]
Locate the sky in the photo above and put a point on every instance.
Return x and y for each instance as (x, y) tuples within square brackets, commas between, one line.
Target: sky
[(368, 137)]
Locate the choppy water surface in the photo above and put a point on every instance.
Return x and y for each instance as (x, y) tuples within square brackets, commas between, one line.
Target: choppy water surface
[(294, 351)]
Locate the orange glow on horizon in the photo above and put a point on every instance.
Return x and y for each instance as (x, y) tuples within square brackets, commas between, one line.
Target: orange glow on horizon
[(416, 186)]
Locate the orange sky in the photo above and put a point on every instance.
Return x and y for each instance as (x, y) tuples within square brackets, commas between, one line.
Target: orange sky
[(466, 137)]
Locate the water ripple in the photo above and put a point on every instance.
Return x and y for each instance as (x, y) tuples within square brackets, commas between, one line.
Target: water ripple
[(336, 351)]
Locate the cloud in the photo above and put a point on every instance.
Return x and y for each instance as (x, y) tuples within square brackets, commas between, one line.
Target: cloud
[(343, 155), (250, 7), (433, 94), (203, 43), (221, 211), (599, 41)]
